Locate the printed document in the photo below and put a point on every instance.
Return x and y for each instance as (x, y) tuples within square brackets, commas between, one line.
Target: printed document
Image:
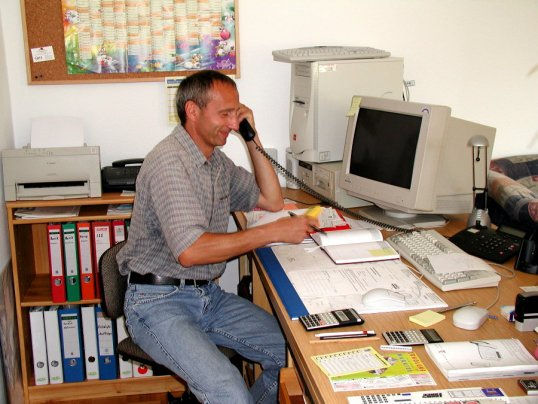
[(324, 286)]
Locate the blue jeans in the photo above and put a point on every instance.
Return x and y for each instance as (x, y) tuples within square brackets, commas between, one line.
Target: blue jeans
[(180, 326)]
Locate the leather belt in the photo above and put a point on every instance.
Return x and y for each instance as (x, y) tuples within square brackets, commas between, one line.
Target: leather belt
[(152, 279)]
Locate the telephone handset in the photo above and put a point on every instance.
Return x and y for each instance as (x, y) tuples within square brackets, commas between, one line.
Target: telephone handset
[(246, 131)]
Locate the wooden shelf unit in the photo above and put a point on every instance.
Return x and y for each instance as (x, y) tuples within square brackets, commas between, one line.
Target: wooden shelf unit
[(28, 242)]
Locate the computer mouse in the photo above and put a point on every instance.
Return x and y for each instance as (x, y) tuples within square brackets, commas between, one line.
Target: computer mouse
[(383, 297), (469, 317)]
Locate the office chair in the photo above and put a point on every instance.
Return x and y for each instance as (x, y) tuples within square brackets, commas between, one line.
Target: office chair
[(113, 287)]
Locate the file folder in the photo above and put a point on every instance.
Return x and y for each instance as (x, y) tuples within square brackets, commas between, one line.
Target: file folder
[(56, 265), (54, 349), (72, 277), (126, 365), (39, 346), (118, 231), (89, 333), (85, 256), (71, 342), (102, 241), (105, 341)]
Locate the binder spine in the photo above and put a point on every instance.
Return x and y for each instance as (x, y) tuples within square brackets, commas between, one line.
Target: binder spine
[(118, 231), (85, 249), (39, 346), (71, 262), (70, 334), (56, 265), (125, 365), (105, 341), (54, 350), (89, 332), (102, 241)]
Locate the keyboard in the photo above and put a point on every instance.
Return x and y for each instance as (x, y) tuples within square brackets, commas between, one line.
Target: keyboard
[(315, 53), (418, 246)]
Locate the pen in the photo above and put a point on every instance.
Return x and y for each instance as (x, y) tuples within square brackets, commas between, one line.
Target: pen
[(346, 334), (354, 339), (456, 307), (316, 228)]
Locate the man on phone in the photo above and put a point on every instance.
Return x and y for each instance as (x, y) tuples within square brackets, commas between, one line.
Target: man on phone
[(178, 246)]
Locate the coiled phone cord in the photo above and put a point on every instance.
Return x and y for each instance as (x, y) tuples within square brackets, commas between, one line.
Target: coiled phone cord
[(323, 198)]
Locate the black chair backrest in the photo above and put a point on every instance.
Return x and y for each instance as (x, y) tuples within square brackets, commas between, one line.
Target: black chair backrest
[(113, 284)]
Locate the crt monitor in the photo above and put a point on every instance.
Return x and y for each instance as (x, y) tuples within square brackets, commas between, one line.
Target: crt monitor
[(412, 160)]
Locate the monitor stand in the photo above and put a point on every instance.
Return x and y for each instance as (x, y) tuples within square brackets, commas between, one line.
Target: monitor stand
[(402, 219)]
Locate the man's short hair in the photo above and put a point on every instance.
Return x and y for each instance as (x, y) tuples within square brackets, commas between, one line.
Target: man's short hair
[(196, 88)]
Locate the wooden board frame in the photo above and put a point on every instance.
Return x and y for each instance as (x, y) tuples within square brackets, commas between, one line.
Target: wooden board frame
[(43, 26)]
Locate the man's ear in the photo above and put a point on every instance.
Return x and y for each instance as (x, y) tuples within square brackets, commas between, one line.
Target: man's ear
[(192, 110)]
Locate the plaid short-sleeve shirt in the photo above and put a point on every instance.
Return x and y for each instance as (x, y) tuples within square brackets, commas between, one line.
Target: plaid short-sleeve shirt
[(179, 196)]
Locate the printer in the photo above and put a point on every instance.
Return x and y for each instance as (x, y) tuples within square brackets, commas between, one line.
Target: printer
[(51, 173)]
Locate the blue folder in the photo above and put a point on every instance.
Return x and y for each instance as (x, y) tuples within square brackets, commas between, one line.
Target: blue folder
[(71, 340), (291, 300), (108, 367)]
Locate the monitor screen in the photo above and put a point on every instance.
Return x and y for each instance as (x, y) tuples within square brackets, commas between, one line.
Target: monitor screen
[(410, 159), (387, 137)]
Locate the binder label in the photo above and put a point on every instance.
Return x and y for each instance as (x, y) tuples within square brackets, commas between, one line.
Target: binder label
[(70, 252), (85, 251), (70, 337), (104, 330), (55, 252)]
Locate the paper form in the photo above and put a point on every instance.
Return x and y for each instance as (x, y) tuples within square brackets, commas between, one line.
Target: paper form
[(324, 286), (349, 362)]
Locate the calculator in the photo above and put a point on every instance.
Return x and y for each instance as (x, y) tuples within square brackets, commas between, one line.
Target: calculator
[(336, 318), (412, 337)]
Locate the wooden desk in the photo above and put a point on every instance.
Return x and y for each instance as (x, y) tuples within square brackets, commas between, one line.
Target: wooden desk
[(301, 348)]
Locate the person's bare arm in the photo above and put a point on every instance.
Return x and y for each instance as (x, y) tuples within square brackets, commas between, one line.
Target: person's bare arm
[(214, 247)]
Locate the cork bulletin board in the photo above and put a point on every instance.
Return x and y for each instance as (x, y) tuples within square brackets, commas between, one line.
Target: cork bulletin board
[(97, 41)]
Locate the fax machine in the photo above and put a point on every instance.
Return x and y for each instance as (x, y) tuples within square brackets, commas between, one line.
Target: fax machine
[(51, 173)]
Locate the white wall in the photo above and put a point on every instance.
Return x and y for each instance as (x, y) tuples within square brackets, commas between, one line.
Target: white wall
[(6, 141), (477, 56)]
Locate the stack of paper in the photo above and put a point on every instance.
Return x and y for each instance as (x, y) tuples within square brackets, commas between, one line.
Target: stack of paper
[(484, 359), (121, 209), (47, 211)]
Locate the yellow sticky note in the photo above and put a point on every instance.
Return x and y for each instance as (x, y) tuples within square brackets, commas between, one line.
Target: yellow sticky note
[(354, 107), (427, 318), (314, 211)]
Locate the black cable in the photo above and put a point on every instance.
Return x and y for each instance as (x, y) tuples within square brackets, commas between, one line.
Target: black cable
[(323, 198)]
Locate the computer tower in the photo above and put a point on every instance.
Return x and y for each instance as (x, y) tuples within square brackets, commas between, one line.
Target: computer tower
[(320, 99)]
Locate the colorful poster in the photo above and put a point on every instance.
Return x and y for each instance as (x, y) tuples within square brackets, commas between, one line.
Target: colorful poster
[(139, 36)]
